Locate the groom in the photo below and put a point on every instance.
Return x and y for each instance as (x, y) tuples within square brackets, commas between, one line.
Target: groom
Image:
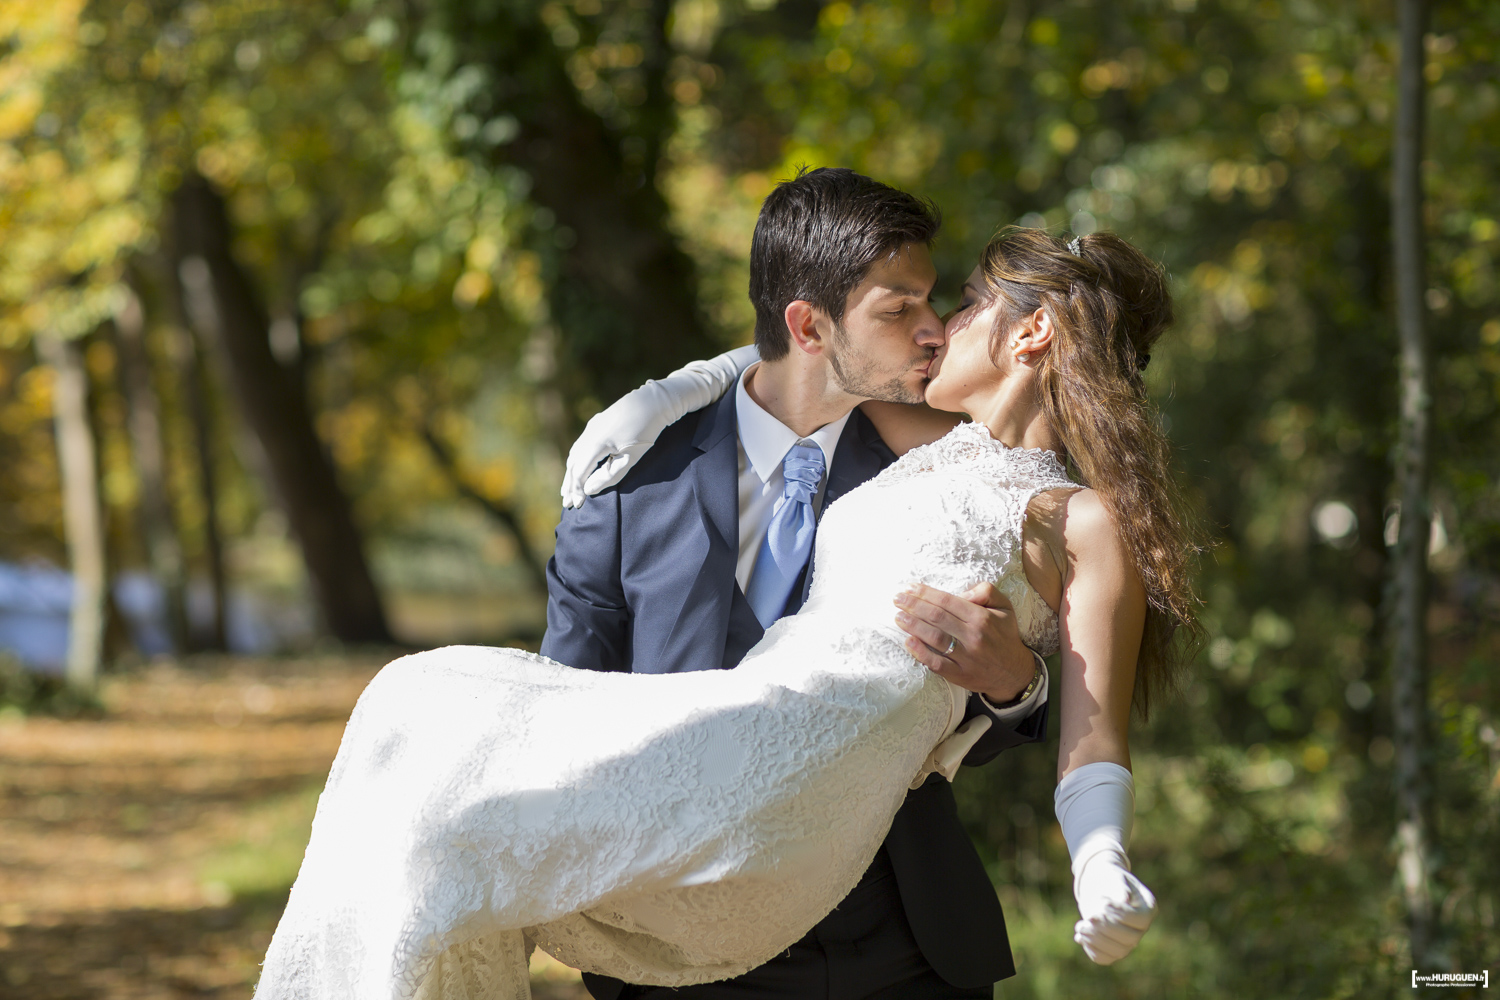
[(707, 541)]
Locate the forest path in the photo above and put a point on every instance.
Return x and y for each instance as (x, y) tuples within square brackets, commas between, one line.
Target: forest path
[(146, 855)]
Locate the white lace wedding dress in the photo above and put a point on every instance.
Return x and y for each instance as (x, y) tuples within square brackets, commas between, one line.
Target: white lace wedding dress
[(665, 829)]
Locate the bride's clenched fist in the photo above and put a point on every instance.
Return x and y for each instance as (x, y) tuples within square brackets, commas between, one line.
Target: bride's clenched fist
[(1115, 908)]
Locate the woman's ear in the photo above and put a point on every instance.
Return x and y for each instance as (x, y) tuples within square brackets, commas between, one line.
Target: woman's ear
[(1034, 334), (802, 323)]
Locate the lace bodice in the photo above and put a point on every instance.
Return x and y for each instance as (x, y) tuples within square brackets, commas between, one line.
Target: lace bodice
[(948, 514)]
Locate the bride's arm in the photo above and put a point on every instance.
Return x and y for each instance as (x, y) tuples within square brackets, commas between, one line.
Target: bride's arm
[(1103, 613), (903, 426)]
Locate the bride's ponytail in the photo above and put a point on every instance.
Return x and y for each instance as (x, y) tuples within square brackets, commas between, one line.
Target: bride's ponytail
[(1109, 303)]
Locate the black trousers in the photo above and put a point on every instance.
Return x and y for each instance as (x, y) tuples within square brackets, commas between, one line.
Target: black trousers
[(863, 950)]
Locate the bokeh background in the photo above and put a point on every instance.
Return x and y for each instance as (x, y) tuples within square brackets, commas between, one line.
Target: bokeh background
[(303, 301)]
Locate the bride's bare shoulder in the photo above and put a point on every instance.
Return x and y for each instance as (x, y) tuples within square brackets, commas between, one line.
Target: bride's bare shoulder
[(1045, 542), (1076, 518), (1070, 535), (1090, 539)]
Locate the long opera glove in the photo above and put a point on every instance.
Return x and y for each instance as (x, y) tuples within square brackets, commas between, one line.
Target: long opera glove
[(1095, 804), (616, 437)]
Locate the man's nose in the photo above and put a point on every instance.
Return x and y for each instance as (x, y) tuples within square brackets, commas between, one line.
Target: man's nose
[(930, 332)]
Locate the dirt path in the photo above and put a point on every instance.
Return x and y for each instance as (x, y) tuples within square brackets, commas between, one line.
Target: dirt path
[(147, 854)]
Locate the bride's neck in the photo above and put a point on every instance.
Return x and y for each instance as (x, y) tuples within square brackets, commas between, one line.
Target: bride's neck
[(1013, 413)]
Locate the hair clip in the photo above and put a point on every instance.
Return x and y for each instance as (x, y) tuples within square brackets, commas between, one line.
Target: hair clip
[(1075, 246)]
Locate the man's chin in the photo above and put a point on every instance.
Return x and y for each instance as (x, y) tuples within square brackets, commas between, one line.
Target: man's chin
[(915, 389), (901, 392), (910, 388)]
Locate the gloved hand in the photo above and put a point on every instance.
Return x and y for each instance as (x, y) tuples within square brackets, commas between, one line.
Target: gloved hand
[(1095, 804), (621, 433), (1115, 907)]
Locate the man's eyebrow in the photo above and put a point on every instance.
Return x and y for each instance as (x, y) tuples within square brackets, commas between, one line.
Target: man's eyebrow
[(903, 291)]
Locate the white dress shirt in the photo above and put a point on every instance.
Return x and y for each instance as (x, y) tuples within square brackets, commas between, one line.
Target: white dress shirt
[(763, 444)]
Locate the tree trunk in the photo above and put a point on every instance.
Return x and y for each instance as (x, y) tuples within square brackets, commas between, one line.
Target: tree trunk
[(1409, 648), (626, 300), (197, 305), (446, 460), (277, 411), (83, 516), (143, 407)]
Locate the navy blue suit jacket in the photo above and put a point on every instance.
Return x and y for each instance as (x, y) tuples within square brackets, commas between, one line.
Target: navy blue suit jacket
[(643, 580)]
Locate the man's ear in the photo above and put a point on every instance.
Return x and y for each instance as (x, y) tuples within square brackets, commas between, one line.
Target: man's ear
[(802, 322), (1035, 333)]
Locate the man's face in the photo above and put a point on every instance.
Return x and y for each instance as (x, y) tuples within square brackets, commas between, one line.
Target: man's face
[(890, 331)]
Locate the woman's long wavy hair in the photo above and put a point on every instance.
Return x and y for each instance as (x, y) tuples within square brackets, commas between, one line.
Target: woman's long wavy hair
[(1108, 304)]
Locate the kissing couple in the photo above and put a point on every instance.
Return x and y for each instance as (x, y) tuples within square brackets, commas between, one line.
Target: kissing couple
[(745, 792)]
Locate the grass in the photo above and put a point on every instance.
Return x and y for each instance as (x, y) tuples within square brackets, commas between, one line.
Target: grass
[(266, 858)]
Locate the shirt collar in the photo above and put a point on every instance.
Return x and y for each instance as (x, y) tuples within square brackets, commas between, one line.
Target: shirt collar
[(766, 440)]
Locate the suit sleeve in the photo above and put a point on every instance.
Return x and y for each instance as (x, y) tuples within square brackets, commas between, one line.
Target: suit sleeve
[(588, 622), (1002, 734)]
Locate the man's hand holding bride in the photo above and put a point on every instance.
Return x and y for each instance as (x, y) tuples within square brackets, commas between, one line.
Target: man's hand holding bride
[(971, 639)]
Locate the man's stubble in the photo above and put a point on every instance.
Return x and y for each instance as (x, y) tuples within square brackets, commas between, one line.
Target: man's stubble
[(858, 374)]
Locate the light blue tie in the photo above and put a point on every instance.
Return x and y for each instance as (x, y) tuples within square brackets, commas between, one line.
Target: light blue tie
[(789, 538)]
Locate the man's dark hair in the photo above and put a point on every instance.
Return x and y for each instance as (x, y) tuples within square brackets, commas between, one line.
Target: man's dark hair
[(816, 239)]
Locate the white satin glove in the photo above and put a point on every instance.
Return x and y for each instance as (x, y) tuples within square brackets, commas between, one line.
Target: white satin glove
[(621, 433), (1115, 907), (1096, 806)]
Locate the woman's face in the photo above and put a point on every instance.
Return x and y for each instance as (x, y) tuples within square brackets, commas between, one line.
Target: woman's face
[(962, 368)]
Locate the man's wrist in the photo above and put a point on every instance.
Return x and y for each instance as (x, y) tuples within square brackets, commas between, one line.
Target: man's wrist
[(1038, 671)]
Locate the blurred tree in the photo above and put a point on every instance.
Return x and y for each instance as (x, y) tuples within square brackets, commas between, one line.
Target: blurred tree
[(39, 33), (239, 92), (275, 403), (191, 290), (30, 508), (83, 518), (1409, 645), (157, 520), (575, 95)]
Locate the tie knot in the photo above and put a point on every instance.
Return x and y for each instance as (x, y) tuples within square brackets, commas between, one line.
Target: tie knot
[(803, 468)]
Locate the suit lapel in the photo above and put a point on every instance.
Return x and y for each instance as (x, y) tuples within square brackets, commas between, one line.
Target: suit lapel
[(704, 619), (716, 475)]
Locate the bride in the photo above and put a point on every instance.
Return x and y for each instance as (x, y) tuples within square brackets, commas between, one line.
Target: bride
[(682, 828)]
